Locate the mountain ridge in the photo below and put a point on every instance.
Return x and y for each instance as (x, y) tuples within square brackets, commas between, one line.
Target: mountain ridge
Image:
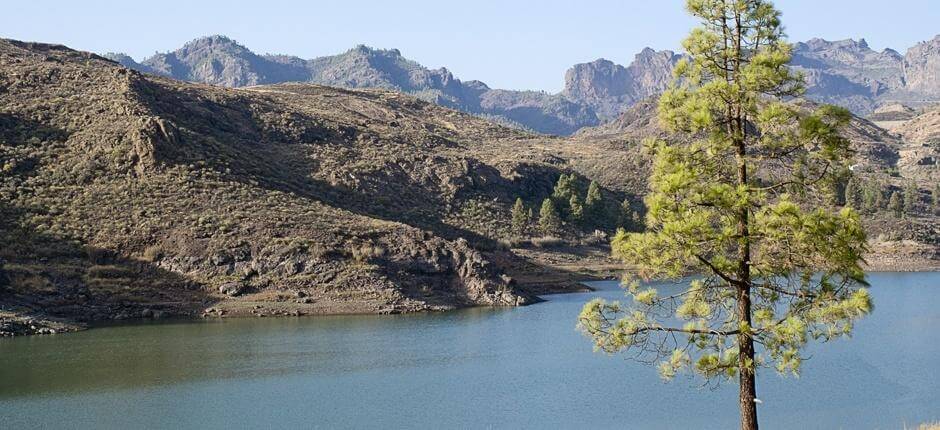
[(843, 72)]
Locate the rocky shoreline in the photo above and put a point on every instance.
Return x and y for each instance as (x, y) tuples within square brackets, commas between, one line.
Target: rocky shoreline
[(554, 271)]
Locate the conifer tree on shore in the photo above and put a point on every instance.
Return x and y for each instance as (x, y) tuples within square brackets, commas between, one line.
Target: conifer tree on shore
[(549, 221), (773, 274)]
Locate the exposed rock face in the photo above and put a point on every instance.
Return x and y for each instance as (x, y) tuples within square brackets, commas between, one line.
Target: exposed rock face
[(219, 60), (846, 72), (922, 69), (610, 88)]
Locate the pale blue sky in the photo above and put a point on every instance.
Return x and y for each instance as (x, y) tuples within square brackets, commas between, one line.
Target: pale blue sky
[(507, 44)]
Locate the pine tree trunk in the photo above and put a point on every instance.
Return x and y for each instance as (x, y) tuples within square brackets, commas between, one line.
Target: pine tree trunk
[(748, 388), (746, 365)]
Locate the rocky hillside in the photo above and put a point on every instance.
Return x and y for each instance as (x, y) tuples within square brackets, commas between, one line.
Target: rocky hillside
[(919, 127), (921, 154), (144, 196), (219, 60), (848, 73), (851, 74)]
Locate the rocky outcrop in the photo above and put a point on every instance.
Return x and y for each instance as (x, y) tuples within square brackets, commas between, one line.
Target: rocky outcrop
[(846, 72), (610, 88), (219, 60), (922, 69), (153, 136)]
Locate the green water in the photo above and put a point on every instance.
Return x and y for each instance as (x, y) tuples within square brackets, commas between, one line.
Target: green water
[(481, 368)]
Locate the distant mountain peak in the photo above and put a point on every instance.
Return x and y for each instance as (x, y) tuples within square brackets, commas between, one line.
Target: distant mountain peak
[(215, 42), (647, 52), (818, 44), (845, 72)]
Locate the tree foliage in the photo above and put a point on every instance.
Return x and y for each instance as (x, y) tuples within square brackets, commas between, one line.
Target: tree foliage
[(935, 199), (853, 194), (549, 221), (768, 270), (575, 209), (627, 218), (565, 188), (910, 198), (520, 218), (594, 203), (895, 205)]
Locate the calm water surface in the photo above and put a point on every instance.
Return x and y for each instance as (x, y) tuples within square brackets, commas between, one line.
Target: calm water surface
[(480, 368)]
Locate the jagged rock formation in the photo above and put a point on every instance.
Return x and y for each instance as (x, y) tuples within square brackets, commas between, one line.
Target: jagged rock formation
[(609, 87), (221, 61), (922, 69), (848, 73)]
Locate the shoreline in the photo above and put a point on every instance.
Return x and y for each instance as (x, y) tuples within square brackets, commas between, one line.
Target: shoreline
[(557, 271)]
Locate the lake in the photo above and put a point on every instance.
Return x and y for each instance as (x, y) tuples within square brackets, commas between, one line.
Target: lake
[(478, 368)]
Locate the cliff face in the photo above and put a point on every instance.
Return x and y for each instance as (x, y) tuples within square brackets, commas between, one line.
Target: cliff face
[(609, 88), (922, 69)]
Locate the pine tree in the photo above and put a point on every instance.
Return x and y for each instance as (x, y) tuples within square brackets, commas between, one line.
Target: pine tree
[(853, 194), (910, 199), (593, 203), (870, 197), (770, 271), (895, 205), (836, 186), (880, 201), (520, 218), (935, 199), (549, 221), (564, 188), (575, 210), (625, 219)]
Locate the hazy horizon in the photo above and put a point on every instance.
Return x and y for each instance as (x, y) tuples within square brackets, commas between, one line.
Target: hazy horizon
[(511, 46)]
